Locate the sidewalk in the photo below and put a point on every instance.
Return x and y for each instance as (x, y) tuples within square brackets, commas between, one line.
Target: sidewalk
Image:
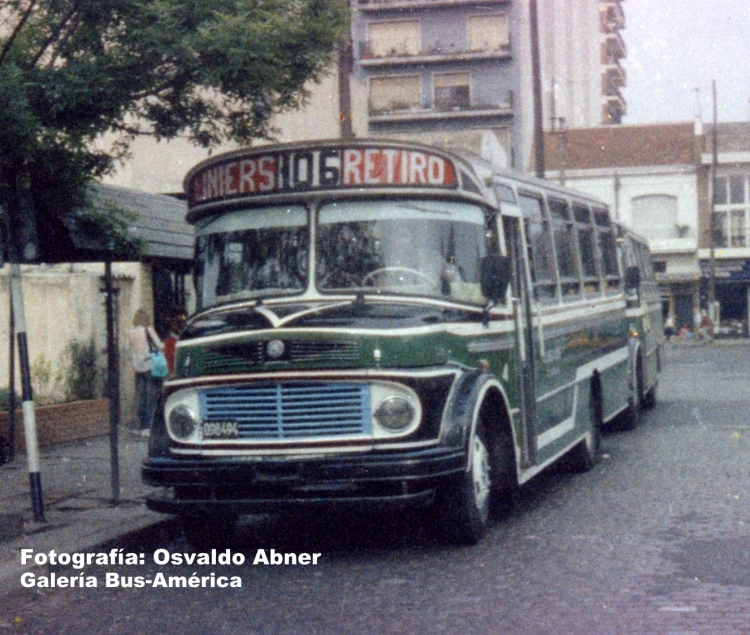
[(77, 491)]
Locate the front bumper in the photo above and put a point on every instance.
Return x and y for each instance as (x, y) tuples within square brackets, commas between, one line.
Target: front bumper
[(394, 479)]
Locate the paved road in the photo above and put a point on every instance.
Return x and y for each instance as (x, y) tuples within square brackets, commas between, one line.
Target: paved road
[(655, 540)]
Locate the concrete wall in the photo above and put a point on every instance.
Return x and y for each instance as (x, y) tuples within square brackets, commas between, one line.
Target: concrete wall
[(65, 303)]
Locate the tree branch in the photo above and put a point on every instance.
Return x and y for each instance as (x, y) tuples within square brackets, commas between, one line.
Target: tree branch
[(18, 28), (54, 36)]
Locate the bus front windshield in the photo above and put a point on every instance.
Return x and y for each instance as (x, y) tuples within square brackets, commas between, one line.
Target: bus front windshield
[(426, 248), (412, 247), (252, 254)]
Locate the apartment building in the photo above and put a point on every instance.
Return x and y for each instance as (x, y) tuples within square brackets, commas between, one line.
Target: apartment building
[(461, 72), (441, 72)]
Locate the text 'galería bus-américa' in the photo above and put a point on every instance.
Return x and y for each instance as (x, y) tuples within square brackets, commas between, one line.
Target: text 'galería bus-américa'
[(384, 324)]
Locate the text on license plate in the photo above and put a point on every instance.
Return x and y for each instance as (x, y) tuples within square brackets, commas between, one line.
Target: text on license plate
[(220, 430)]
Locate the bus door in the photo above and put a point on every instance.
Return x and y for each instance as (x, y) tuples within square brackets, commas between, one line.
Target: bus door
[(524, 336)]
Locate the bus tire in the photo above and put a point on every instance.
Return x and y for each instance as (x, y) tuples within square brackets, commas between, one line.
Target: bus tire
[(584, 456), (649, 399), (464, 502), (204, 531)]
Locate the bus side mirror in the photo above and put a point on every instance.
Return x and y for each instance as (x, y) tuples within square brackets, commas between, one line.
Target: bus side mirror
[(632, 277), (495, 273)]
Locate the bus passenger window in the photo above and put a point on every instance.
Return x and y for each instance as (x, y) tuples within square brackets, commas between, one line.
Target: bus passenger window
[(587, 249), (567, 261), (541, 256), (607, 251), (610, 270)]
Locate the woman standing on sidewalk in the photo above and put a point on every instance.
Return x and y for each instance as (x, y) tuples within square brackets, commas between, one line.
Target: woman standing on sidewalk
[(146, 385)]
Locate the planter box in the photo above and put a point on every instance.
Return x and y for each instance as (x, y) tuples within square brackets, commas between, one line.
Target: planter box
[(62, 423)]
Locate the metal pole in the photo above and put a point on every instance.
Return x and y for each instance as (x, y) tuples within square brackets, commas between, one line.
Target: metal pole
[(29, 414), (12, 386), (15, 211), (113, 384), (563, 150), (712, 238), (536, 76), (345, 66)]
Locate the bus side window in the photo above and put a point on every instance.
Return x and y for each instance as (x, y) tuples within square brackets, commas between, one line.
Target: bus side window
[(587, 250), (541, 254), (607, 250), (565, 249)]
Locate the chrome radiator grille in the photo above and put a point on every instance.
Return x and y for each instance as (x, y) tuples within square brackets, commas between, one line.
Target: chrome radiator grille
[(291, 410)]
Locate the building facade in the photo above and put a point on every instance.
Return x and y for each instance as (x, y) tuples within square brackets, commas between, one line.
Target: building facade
[(724, 253), (653, 179), (461, 73), (442, 72), (582, 49)]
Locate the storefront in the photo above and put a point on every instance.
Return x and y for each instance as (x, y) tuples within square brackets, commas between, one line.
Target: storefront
[(732, 286)]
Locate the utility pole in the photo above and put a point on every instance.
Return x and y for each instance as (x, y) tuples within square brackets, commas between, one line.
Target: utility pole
[(563, 148), (345, 68), (712, 224), (536, 78)]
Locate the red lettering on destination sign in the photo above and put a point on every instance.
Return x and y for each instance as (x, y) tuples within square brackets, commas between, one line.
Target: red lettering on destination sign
[(302, 169)]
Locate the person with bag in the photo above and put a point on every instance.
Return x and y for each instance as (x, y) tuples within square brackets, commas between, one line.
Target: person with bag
[(150, 367)]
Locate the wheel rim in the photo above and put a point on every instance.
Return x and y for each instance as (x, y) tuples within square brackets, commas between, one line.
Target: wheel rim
[(480, 471)]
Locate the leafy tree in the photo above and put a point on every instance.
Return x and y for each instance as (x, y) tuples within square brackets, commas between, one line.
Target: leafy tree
[(211, 70)]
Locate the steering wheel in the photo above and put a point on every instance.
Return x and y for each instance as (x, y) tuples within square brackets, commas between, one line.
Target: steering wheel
[(419, 274)]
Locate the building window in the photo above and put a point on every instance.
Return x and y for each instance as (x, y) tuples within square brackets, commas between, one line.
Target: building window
[(655, 216), (730, 220), (452, 91), (738, 228), (488, 32), (389, 94), (720, 229), (387, 39), (720, 190), (736, 189)]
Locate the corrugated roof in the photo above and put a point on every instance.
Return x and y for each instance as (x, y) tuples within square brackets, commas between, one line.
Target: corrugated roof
[(159, 220), (624, 146)]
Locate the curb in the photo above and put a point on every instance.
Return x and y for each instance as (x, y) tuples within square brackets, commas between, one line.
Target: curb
[(11, 526), (116, 527)]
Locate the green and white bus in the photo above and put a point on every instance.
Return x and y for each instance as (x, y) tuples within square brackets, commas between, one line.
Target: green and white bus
[(385, 324), (645, 318)]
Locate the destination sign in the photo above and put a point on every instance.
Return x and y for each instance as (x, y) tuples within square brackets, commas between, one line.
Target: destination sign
[(308, 169)]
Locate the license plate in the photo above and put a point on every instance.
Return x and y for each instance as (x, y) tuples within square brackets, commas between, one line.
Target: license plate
[(221, 430)]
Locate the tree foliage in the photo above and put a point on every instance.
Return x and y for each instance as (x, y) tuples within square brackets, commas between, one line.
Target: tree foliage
[(213, 71)]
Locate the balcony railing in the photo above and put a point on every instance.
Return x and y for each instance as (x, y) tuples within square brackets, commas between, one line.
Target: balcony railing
[(434, 55), (473, 111), (390, 5)]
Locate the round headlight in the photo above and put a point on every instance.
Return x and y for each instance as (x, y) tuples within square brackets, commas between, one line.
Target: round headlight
[(395, 414), (182, 422)]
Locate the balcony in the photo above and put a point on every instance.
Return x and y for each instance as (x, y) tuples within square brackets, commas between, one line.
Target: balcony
[(615, 74), (370, 6), (435, 55), (612, 17), (615, 45), (406, 115)]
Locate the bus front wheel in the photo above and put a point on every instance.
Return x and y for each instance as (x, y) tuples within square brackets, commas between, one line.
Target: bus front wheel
[(464, 503)]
